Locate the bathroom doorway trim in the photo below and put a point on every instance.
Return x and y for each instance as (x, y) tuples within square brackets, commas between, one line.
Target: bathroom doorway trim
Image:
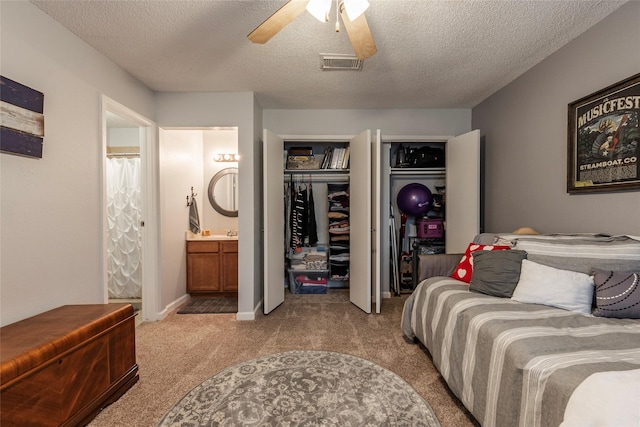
[(150, 217)]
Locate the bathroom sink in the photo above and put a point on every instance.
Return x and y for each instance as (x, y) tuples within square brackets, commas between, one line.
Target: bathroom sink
[(220, 237), (192, 236)]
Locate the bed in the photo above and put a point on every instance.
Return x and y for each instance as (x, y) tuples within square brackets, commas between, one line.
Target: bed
[(532, 364)]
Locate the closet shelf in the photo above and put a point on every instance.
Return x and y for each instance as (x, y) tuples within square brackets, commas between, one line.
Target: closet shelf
[(421, 171), (316, 171)]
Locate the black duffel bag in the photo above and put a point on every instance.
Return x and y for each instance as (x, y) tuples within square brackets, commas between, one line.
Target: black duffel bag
[(426, 157)]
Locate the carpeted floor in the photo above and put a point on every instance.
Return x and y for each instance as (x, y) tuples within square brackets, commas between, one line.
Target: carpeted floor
[(203, 305), (180, 352)]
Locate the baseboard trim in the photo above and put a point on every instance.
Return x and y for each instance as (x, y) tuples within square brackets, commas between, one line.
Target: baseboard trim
[(172, 306), (250, 315)]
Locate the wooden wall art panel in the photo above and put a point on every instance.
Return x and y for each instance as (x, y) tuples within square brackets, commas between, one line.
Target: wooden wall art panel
[(21, 119)]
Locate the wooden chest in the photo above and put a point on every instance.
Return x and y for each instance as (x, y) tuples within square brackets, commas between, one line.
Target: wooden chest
[(63, 366)]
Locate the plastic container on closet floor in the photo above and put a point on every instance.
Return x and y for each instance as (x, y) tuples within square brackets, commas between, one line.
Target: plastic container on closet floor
[(308, 281), (430, 228)]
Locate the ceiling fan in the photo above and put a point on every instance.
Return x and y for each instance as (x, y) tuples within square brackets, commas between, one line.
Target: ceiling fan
[(351, 12)]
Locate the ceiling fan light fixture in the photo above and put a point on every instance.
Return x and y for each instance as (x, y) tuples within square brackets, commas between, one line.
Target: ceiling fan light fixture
[(319, 9), (355, 8)]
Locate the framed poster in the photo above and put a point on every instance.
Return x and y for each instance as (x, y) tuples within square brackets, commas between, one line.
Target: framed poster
[(604, 140)]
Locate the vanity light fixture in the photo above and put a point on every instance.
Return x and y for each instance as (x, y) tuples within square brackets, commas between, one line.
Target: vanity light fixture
[(226, 157)]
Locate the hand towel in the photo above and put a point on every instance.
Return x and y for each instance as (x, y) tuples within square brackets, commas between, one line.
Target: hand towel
[(194, 219)]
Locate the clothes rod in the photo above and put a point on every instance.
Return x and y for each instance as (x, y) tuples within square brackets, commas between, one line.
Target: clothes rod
[(110, 155), (325, 177)]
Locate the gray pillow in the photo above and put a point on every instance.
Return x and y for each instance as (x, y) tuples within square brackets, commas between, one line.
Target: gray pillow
[(615, 253), (496, 273), (617, 294)]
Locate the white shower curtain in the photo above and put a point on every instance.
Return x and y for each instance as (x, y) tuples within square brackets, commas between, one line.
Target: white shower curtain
[(124, 237)]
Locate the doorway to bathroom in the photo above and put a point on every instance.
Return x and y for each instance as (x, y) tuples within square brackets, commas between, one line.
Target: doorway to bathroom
[(196, 164), (130, 254)]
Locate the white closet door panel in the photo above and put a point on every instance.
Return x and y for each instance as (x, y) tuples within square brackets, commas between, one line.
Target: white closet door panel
[(360, 221), (273, 176), (377, 228), (384, 231), (463, 191)]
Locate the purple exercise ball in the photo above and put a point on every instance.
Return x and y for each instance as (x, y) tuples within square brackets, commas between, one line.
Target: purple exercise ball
[(414, 199)]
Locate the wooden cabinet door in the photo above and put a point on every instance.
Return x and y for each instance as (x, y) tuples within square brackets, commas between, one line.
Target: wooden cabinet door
[(203, 272), (229, 266)]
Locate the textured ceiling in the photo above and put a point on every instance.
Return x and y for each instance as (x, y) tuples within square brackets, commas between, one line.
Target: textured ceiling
[(431, 54)]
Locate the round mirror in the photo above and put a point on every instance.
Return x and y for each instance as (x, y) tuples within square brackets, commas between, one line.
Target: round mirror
[(223, 192)]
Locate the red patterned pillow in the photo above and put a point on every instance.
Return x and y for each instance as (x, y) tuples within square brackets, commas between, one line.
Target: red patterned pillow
[(464, 270)]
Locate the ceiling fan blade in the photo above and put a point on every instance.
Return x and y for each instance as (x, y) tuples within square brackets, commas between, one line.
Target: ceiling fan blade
[(360, 35), (281, 18)]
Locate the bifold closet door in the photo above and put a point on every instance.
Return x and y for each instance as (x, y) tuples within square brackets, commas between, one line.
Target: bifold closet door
[(360, 221), (273, 236), (463, 191), (381, 236)]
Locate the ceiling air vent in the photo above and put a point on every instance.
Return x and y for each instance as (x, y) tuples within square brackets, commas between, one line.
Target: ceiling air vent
[(337, 61)]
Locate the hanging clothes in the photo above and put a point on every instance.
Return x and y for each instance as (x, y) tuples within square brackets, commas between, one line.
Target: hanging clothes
[(311, 215), (299, 221), (302, 206), (287, 216), (296, 230)]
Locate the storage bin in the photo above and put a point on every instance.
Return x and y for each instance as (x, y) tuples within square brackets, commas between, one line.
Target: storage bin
[(430, 228), (304, 162), (308, 281), (309, 258), (429, 249)]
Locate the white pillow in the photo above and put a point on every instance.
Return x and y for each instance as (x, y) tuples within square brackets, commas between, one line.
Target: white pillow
[(540, 284)]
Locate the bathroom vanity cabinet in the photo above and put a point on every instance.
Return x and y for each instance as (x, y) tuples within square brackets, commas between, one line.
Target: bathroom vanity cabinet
[(229, 265), (212, 267)]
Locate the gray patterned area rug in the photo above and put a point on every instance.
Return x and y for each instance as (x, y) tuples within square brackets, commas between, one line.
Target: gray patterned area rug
[(303, 388), (210, 305)]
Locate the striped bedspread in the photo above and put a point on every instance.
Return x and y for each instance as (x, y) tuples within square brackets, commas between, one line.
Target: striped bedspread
[(512, 363)]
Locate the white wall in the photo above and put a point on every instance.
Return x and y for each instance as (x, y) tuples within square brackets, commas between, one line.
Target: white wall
[(51, 219), (352, 122), (123, 137), (526, 135), (180, 165)]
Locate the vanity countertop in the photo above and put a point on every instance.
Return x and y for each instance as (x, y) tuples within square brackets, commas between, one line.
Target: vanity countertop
[(199, 237)]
